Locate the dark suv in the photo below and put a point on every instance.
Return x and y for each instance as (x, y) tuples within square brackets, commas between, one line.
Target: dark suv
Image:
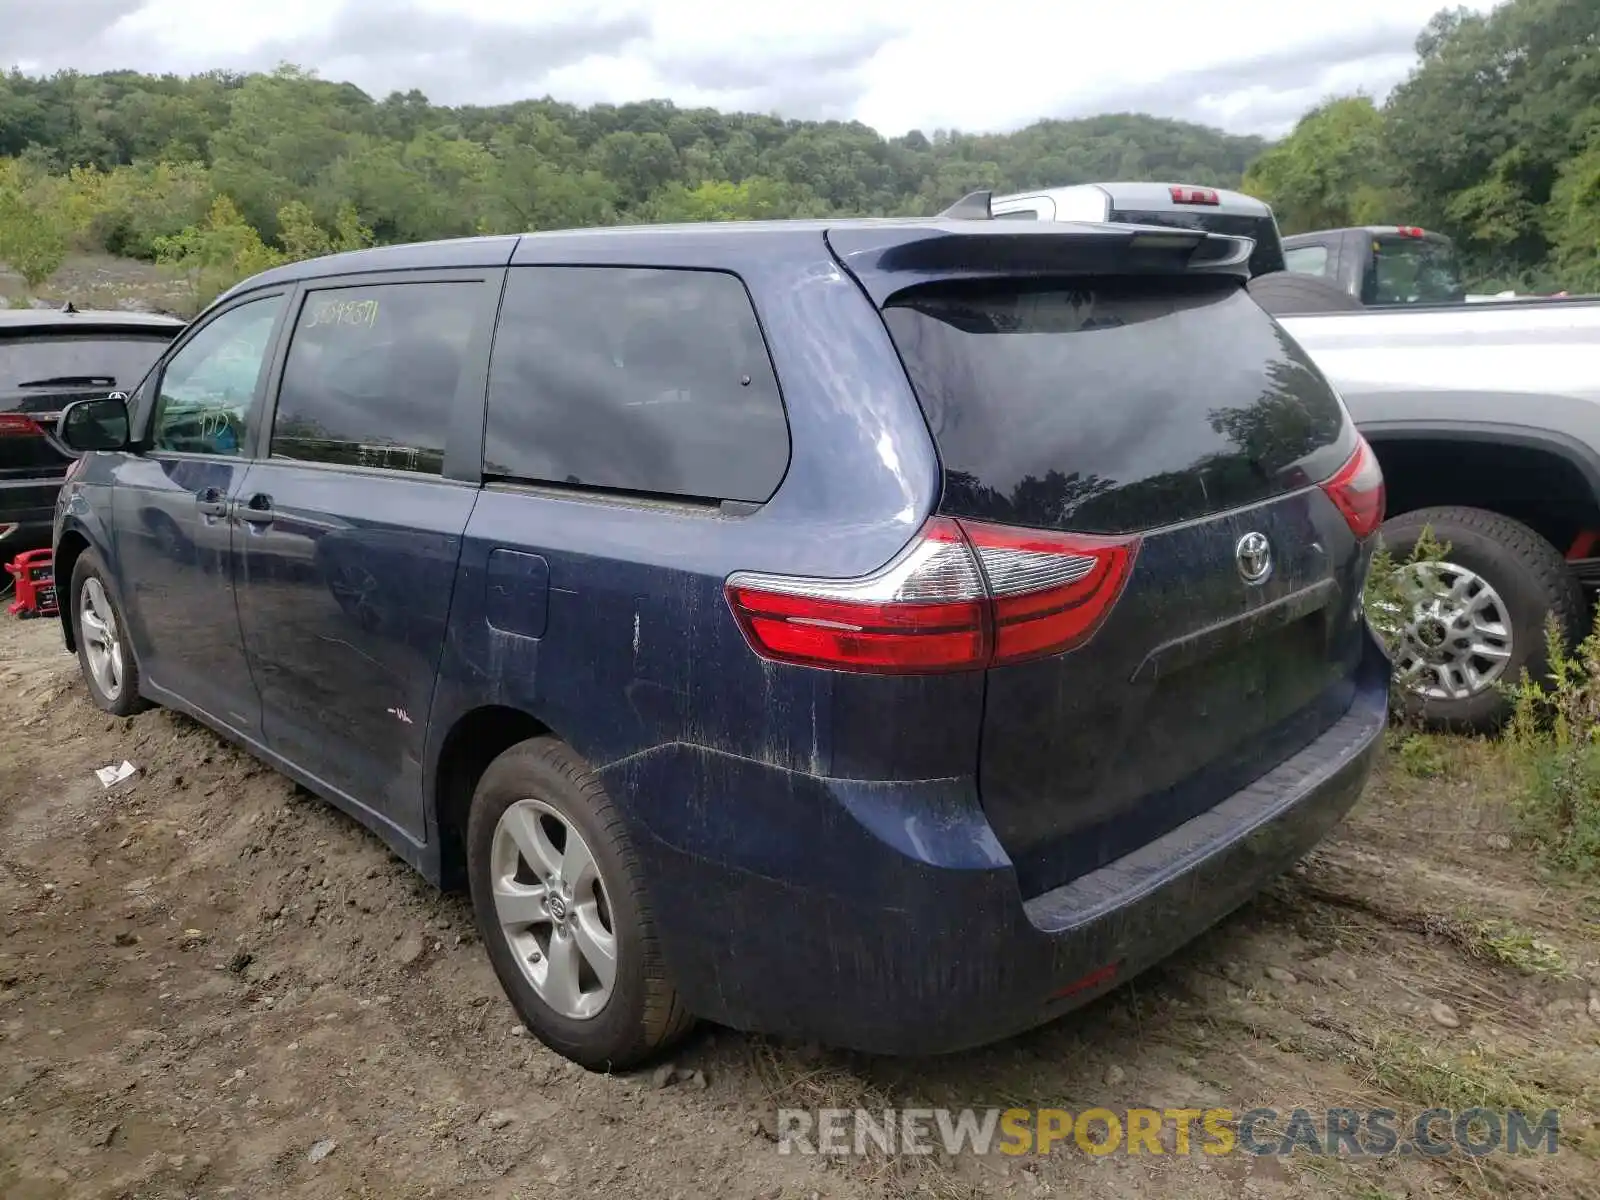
[(893, 633), (49, 358)]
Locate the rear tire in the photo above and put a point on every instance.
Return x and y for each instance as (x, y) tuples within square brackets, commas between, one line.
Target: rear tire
[(555, 882), (1527, 581)]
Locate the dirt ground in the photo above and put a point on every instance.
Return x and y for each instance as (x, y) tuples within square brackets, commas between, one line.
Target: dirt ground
[(104, 281), (208, 978)]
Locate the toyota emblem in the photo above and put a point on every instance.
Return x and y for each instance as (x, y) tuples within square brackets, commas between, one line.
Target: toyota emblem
[(1254, 556)]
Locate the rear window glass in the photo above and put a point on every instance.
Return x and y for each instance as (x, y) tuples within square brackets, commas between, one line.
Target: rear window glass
[(1114, 406), (640, 380), (27, 363), (1409, 270), (1306, 260)]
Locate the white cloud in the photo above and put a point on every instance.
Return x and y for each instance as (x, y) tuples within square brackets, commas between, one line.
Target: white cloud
[(1250, 66)]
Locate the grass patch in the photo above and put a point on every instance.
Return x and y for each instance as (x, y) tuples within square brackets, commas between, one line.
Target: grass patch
[(1554, 739), (1429, 1077), (1421, 755), (1512, 946)]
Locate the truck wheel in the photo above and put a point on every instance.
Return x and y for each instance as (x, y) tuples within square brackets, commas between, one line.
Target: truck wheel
[(563, 910), (1477, 618)]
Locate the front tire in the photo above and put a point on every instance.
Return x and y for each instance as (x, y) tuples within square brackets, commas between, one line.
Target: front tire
[(101, 633), (1482, 621), (561, 906)]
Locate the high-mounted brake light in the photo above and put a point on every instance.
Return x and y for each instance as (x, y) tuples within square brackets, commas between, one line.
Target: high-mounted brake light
[(1357, 489), (962, 596), (1195, 195), (1410, 231), (19, 425)]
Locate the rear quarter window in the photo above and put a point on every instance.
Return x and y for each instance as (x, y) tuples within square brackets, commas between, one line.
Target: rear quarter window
[(640, 380), (1115, 405)]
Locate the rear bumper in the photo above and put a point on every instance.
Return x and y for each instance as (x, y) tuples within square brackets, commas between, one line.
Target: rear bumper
[(886, 917)]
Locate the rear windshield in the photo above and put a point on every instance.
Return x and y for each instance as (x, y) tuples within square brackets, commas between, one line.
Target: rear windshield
[(1116, 405), (29, 364), (1412, 270), (1264, 259)]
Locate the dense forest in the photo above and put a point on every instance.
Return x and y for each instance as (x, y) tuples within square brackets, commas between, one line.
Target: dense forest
[(1495, 139)]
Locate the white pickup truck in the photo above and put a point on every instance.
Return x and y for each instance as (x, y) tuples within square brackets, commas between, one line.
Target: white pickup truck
[(1485, 417)]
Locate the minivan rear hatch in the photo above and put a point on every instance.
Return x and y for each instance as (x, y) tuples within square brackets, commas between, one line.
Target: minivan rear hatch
[(1167, 413)]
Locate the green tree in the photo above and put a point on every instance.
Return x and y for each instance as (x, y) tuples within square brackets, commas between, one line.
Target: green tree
[(217, 253), (1483, 128), (301, 237), (283, 131), (1332, 171), (753, 199), (1574, 219), (32, 241)]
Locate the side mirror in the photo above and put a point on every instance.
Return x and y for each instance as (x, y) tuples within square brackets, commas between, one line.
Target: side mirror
[(87, 425)]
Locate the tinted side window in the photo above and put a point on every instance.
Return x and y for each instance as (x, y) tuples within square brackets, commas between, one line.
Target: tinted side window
[(1306, 260), (639, 380), (208, 387), (372, 373)]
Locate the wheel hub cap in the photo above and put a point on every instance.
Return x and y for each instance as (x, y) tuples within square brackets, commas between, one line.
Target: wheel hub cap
[(1454, 632), (553, 909), (102, 644)]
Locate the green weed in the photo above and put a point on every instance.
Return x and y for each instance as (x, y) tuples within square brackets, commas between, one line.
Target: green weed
[(1554, 739)]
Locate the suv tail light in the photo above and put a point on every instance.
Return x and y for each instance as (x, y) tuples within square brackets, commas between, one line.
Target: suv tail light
[(18, 425), (962, 596), (1357, 488)]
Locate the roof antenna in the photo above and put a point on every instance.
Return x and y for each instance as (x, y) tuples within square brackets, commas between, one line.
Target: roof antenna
[(68, 307), (974, 206)]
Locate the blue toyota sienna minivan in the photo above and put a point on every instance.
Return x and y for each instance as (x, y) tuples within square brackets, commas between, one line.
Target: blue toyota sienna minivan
[(893, 633)]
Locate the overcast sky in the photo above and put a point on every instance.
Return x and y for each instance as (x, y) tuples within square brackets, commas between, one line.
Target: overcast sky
[(1249, 66)]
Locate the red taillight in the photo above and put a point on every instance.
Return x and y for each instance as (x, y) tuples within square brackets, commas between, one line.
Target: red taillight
[(1410, 231), (1049, 592), (961, 596), (1195, 195), (1357, 488), (18, 425)]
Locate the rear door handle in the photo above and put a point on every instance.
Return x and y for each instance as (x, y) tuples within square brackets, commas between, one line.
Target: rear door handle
[(255, 511), (211, 503)]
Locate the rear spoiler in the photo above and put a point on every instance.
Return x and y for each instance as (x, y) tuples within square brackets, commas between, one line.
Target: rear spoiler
[(965, 242), (974, 206)]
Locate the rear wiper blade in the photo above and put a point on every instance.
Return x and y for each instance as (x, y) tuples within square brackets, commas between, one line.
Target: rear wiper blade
[(71, 381)]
